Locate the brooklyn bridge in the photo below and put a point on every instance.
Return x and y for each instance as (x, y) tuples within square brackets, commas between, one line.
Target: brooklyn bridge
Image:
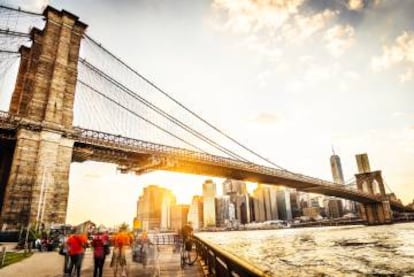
[(74, 101)]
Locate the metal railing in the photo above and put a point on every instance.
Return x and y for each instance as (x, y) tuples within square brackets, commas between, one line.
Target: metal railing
[(224, 264), (123, 143)]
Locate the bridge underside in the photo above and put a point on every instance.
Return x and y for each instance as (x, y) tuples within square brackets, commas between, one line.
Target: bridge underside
[(144, 162)]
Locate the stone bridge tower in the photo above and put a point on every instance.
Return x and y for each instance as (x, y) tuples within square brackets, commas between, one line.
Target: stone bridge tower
[(371, 182), (38, 183)]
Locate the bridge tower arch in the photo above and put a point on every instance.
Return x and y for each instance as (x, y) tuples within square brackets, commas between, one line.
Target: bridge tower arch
[(37, 187), (374, 213)]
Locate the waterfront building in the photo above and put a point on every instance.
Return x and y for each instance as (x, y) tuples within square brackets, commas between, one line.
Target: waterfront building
[(225, 212), (242, 208), (294, 203), (179, 214), (311, 212), (209, 203), (283, 204), (333, 207), (151, 206), (195, 213), (265, 203), (234, 187), (168, 200), (239, 198)]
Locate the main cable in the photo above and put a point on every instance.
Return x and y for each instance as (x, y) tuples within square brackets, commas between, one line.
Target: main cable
[(180, 104), (139, 116), (162, 112)]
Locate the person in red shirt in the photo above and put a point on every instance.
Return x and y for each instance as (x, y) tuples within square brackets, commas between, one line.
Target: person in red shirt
[(99, 242), (76, 247)]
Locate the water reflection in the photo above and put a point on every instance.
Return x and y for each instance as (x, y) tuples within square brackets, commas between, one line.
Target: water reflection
[(333, 251)]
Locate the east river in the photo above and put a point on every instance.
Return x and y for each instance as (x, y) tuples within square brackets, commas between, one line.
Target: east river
[(386, 250)]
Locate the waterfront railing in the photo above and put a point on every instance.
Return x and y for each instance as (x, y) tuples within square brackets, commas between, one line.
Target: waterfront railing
[(221, 263)]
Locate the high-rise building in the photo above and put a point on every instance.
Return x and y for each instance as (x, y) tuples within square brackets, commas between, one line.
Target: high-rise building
[(333, 207), (234, 186), (179, 215), (209, 203), (283, 204), (294, 203), (265, 203), (225, 211), (239, 198), (195, 213), (168, 200), (338, 178), (242, 208), (151, 206), (336, 169)]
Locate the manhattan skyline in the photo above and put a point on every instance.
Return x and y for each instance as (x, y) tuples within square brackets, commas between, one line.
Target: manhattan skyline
[(287, 78)]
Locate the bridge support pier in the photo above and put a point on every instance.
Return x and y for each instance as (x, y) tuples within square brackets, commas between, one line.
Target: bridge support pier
[(376, 213), (37, 187)]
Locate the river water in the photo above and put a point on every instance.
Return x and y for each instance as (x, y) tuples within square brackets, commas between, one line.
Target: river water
[(386, 250)]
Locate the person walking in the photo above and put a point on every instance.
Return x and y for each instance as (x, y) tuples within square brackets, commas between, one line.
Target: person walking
[(121, 242), (99, 243), (65, 253), (76, 248)]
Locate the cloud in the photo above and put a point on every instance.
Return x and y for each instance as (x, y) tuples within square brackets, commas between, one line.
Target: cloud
[(338, 39), (356, 5), (303, 27), (251, 15), (401, 52)]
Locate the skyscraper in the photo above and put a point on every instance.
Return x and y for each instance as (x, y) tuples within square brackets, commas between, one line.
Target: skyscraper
[(154, 207), (265, 206), (336, 169), (239, 198), (234, 186), (179, 214), (283, 204), (195, 213), (209, 205)]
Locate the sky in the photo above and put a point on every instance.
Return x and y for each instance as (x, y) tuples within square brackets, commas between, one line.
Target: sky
[(290, 79)]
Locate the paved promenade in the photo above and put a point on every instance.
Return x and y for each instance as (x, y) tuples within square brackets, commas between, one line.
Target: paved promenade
[(50, 264)]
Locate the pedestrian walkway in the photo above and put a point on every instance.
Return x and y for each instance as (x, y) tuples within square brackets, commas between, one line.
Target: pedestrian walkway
[(169, 266), (50, 264)]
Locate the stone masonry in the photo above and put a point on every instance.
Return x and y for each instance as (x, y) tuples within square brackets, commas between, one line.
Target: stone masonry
[(375, 213), (37, 188)]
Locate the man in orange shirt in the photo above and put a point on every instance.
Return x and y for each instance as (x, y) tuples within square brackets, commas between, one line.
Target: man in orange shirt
[(76, 249), (121, 241)]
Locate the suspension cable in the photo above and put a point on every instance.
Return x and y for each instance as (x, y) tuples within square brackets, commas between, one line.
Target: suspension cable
[(20, 10), (137, 115), (162, 112), (14, 33), (180, 104)]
